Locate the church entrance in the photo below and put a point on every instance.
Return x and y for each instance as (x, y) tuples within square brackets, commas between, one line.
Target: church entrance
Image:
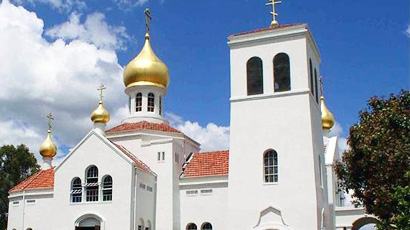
[(89, 223)]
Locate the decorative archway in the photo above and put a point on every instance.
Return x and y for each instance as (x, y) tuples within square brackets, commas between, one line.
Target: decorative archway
[(357, 224), (89, 222)]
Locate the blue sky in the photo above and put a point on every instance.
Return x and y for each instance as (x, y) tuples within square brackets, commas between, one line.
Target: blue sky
[(364, 48)]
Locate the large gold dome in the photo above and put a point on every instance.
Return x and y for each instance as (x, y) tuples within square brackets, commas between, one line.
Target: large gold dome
[(100, 114), (48, 148), (146, 69), (327, 117)]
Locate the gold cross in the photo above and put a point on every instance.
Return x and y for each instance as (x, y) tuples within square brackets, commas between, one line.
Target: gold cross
[(148, 19), (274, 14), (101, 88), (50, 118), (321, 85)]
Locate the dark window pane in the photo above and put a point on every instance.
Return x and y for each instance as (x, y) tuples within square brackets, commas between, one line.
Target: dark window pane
[(254, 76), (281, 69)]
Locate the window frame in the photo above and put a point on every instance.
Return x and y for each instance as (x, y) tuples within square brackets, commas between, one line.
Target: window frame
[(78, 196), (138, 102), (92, 191), (151, 103), (254, 76), (279, 70), (106, 191), (193, 225), (270, 170), (204, 224)]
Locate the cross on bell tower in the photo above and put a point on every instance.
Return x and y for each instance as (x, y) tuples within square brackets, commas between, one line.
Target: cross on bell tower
[(274, 14)]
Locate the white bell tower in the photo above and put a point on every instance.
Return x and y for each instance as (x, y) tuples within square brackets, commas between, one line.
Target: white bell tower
[(276, 166)]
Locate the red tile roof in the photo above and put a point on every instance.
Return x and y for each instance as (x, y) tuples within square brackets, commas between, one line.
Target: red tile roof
[(138, 163), (207, 164), (142, 125), (266, 29), (40, 180)]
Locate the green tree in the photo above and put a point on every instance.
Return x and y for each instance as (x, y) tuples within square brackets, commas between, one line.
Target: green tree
[(377, 165), (16, 164)]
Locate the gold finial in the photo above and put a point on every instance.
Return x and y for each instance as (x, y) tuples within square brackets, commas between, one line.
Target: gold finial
[(101, 88), (148, 19), (274, 14), (50, 119), (48, 147), (328, 120), (100, 114)]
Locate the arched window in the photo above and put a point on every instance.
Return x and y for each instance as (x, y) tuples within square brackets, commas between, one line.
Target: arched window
[(160, 105), (76, 190), (270, 163), (151, 102), (129, 104), (206, 226), (141, 224), (254, 76), (281, 72), (148, 227), (191, 226), (138, 102), (107, 188), (92, 184), (312, 88), (317, 89)]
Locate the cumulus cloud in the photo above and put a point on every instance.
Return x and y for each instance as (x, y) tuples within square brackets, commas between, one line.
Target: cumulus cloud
[(127, 5), (94, 30), (38, 77), (211, 137), (60, 5), (408, 30)]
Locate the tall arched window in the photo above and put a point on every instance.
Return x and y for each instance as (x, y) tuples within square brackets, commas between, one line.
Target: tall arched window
[(76, 190), (316, 86), (191, 226), (270, 164), (107, 188), (160, 105), (281, 72), (92, 184), (206, 226), (138, 102), (312, 89), (151, 102), (254, 76)]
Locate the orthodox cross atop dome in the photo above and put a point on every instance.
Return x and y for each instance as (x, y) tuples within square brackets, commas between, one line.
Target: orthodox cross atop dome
[(274, 14), (148, 19), (101, 88), (50, 120)]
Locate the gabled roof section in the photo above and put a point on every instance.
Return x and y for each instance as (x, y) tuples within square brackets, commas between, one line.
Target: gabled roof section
[(207, 164), (40, 180), (279, 27), (142, 125), (138, 163)]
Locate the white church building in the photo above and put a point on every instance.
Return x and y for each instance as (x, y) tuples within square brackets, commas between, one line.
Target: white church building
[(144, 174)]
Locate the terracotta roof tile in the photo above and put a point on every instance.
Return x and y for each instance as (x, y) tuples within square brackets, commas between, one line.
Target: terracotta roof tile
[(208, 164), (142, 125), (266, 29), (138, 163), (40, 180)]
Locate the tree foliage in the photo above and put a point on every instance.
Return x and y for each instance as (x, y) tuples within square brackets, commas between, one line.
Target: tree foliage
[(16, 164), (377, 165)]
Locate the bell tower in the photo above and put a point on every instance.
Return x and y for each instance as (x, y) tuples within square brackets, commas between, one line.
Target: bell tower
[(276, 165)]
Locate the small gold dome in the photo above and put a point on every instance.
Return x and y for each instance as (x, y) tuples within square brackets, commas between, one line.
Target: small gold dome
[(327, 117), (146, 69), (48, 148), (100, 114)]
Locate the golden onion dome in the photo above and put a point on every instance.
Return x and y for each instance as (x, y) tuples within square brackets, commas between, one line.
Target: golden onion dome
[(100, 114), (48, 148), (146, 69), (327, 117)]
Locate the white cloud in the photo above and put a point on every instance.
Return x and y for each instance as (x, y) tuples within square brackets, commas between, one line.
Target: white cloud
[(127, 5), (38, 77), (94, 30), (408, 30), (211, 137), (60, 5)]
